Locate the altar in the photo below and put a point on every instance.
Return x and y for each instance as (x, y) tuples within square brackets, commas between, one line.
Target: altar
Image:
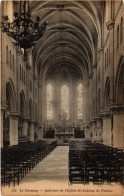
[(63, 135)]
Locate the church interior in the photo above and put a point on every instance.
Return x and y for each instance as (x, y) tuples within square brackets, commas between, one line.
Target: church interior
[(62, 87)]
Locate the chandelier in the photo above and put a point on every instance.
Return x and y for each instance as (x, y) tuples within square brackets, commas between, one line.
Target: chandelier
[(23, 30)]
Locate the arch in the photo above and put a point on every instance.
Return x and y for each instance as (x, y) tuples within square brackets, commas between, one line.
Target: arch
[(107, 93), (10, 96)]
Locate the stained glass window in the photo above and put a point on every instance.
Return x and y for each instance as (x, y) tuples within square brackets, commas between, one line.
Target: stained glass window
[(79, 102), (65, 102), (49, 102)]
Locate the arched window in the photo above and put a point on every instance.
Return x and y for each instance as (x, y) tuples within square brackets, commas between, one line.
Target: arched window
[(118, 36), (7, 55), (65, 102), (121, 31), (79, 102), (49, 102)]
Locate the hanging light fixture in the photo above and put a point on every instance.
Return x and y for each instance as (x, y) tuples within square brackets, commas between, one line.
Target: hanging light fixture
[(23, 30)]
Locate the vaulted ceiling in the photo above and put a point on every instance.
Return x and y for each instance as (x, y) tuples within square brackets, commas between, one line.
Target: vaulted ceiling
[(72, 36)]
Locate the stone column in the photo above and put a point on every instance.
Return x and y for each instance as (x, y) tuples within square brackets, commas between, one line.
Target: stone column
[(25, 127), (13, 117), (107, 129), (31, 131)]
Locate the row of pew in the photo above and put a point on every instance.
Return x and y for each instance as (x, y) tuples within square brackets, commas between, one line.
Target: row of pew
[(95, 162), (18, 160)]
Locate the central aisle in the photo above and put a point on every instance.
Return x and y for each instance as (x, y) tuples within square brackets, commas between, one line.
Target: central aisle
[(52, 168)]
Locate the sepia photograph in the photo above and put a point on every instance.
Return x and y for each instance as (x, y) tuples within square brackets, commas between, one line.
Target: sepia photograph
[(62, 97)]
